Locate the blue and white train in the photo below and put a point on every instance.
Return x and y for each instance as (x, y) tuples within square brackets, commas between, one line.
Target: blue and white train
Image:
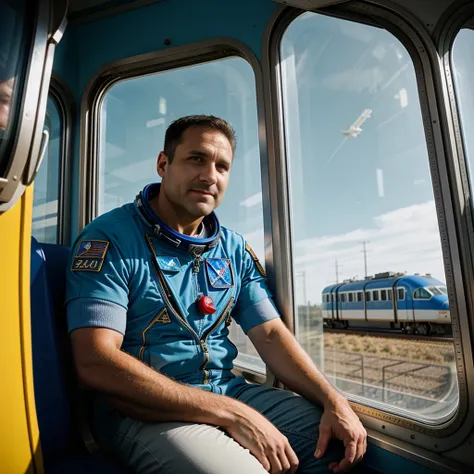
[(415, 304)]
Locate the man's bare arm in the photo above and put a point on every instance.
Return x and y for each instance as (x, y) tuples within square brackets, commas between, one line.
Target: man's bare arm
[(141, 392), (290, 363)]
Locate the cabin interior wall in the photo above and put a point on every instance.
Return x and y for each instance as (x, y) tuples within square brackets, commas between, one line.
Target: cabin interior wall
[(89, 46)]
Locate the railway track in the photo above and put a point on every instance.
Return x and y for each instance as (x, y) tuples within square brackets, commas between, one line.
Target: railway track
[(390, 334)]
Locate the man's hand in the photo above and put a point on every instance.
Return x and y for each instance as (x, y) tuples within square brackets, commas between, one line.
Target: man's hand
[(339, 421), (271, 448)]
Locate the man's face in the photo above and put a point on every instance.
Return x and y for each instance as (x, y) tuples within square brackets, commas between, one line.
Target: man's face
[(6, 92), (197, 177)]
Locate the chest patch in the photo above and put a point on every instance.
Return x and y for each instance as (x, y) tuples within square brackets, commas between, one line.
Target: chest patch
[(219, 272), (169, 264)]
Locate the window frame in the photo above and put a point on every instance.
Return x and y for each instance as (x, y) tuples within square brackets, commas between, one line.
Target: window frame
[(424, 57), (29, 141), (63, 99), (161, 61)]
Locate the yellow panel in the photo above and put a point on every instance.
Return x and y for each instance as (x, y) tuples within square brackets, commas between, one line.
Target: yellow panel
[(19, 435)]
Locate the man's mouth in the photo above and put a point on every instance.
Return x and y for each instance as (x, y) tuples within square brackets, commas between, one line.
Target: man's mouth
[(202, 192)]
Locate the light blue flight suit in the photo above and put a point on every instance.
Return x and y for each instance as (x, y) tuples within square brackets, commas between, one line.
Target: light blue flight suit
[(128, 275)]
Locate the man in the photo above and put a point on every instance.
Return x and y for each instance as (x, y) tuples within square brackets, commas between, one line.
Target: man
[(151, 292)]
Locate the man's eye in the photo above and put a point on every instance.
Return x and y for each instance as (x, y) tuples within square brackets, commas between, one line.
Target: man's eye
[(197, 159)]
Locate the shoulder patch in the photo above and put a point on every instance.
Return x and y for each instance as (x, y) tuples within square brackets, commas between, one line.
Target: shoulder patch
[(90, 255), (255, 259)]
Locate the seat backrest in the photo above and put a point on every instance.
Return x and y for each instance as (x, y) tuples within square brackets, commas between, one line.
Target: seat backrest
[(51, 360)]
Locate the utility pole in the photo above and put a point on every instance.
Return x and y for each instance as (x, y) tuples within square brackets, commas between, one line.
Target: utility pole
[(364, 251), (337, 271)]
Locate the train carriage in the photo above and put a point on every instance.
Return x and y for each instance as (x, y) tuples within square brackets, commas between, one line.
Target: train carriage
[(415, 304)]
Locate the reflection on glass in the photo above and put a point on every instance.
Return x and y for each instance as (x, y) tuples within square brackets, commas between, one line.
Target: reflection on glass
[(463, 66), (134, 117), (367, 255), (46, 186), (12, 31)]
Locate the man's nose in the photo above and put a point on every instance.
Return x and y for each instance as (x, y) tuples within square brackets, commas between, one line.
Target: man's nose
[(209, 174)]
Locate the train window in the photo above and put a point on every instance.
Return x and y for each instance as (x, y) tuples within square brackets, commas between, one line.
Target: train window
[(343, 298), (359, 296), (46, 187), (421, 294), (389, 295), (462, 64), (383, 295), (134, 116), (355, 147), (14, 32), (351, 297)]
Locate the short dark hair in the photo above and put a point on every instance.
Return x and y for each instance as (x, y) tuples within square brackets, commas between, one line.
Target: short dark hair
[(176, 129)]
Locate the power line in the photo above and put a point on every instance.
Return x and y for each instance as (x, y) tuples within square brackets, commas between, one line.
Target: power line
[(364, 251), (337, 271)]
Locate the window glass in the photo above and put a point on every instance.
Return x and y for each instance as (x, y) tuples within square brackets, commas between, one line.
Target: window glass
[(375, 295), (363, 209), (421, 294), (359, 296), (383, 295), (367, 296), (46, 184), (14, 34), (401, 293), (463, 73), (435, 290), (135, 114)]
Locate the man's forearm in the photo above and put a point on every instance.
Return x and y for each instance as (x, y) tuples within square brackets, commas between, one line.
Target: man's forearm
[(291, 365), (141, 392)]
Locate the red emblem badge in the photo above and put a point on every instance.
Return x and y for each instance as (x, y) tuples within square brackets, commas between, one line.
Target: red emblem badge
[(205, 305)]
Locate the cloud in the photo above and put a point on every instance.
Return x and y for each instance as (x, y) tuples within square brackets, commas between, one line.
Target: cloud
[(254, 200), (406, 239)]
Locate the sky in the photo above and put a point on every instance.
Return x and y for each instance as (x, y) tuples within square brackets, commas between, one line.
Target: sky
[(374, 187)]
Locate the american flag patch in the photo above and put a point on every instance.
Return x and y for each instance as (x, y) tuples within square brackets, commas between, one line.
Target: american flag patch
[(92, 249)]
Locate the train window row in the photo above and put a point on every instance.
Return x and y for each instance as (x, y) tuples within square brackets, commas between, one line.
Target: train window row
[(372, 295)]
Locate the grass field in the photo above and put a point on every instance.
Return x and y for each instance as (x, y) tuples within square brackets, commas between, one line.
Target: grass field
[(401, 349)]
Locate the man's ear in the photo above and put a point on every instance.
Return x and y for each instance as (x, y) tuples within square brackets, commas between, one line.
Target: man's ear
[(162, 164)]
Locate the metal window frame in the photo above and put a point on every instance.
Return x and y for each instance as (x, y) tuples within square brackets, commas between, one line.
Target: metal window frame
[(62, 96), (393, 432), (155, 62), (27, 146)]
